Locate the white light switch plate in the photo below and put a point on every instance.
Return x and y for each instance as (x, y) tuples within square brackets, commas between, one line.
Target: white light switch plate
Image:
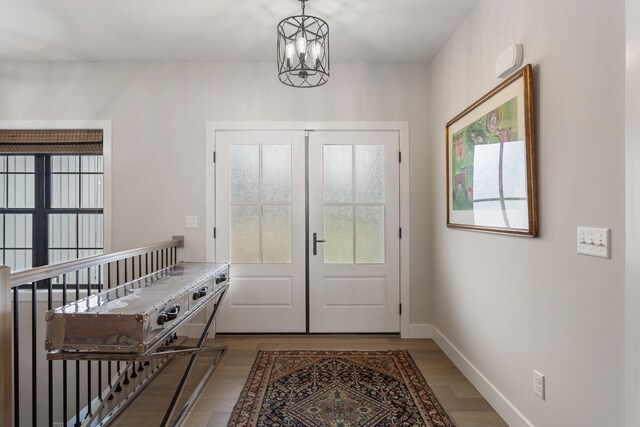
[(191, 222), (594, 241)]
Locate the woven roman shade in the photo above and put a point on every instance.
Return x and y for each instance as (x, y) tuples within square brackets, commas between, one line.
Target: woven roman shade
[(50, 141)]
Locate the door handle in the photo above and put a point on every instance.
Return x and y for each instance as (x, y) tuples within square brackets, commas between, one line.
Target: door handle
[(315, 243)]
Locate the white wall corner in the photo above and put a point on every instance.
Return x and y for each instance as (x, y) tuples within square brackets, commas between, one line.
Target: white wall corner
[(503, 406), (419, 330), (632, 155)]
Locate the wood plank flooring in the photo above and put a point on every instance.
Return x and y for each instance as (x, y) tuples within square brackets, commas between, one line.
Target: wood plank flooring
[(459, 398)]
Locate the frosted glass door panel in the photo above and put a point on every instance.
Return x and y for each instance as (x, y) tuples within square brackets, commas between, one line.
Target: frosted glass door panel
[(245, 233), (339, 205), (338, 233), (338, 174), (260, 223), (260, 203), (276, 234), (370, 234), (244, 164), (354, 207), (276, 173), (369, 173)]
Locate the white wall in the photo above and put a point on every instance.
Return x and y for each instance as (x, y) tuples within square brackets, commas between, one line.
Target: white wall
[(159, 112), (509, 304), (633, 211)]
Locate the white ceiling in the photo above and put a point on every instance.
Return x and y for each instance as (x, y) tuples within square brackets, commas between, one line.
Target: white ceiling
[(220, 30)]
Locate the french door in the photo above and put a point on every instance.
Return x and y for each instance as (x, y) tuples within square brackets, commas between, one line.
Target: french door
[(260, 229), (316, 211), (354, 224)]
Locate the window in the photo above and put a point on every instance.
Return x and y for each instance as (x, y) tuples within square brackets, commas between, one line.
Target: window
[(75, 218), (51, 209), (17, 177), (50, 196)]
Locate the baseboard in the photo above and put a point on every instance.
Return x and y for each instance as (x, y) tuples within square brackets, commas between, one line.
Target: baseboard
[(499, 401), (419, 330)]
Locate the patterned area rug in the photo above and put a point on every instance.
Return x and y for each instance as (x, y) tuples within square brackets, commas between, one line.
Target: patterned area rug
[(337, 389)]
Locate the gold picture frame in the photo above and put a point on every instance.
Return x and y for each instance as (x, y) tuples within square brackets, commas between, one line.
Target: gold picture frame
[(491, 167)]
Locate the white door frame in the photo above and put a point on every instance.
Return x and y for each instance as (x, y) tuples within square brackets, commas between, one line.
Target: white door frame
[(403, 130)]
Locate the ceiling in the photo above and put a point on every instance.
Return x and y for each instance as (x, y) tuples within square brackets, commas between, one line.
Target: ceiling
[(220, 30)]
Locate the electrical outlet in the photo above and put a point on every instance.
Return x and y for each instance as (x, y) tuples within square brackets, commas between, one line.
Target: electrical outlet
[(594, 242), (538, 384)]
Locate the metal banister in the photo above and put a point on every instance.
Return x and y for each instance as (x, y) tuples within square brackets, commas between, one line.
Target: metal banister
[(54, 270), (13, 364)]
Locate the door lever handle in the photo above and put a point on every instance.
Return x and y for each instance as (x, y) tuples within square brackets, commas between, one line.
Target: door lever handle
[(315, 243)]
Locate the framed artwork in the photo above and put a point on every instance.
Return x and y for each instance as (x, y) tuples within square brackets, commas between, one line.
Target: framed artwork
[(491, 169)]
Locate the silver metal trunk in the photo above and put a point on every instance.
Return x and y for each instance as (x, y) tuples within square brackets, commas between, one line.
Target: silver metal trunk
[(138, 316)]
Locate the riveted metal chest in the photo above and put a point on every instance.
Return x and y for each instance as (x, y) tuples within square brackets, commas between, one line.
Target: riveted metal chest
[(138, 316)]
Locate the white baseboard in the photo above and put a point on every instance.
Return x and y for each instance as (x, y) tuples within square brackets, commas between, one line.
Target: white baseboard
[(499, 401), (419, 330)]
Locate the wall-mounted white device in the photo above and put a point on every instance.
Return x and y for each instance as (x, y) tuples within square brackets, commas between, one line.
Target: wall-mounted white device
[(538, 384), (509, 60)]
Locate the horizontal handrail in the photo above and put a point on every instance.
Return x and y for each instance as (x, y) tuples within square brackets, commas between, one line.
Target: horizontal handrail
[(54, 270)]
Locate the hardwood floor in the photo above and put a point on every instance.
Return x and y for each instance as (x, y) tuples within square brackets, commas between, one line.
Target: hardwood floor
[(459, 398)]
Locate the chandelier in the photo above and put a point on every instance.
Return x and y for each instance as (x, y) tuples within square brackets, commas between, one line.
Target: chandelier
[(303, 50)]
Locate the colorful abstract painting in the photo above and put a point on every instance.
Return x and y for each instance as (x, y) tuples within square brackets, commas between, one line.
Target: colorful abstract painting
[(491, 167), (499, 125)]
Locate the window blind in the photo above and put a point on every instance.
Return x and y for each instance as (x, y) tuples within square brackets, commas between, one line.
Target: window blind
[(50, 141)]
